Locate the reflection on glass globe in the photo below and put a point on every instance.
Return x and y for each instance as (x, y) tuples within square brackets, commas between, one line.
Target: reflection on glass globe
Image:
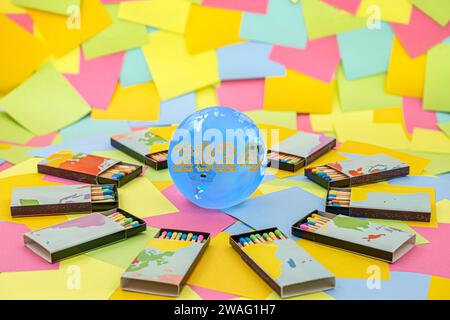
[(217, 157)]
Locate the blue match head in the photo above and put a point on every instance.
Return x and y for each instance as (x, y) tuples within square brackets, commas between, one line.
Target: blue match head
[(242, 240), (248, 239), (194, 238), (169, 234), (184, 236), (311, 222), (107, 187), (107, 191)]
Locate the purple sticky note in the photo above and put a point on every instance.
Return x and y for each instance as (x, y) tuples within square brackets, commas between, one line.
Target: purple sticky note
[(14, 256)]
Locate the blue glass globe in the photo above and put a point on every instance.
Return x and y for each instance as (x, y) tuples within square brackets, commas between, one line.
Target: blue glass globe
[(217, 157)]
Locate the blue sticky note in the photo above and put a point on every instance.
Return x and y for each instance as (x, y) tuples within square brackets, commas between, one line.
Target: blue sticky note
[(443, 117), (447, 40), (440, 185), (365, 52), (88, 128), (134, 69), (277, 209), (2, 161), (401, 286), (101, 143), (248, 60), (282, 25), (237, 228)]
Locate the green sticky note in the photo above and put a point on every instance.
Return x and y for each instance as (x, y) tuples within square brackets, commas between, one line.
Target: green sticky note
[(46, 102), (445, 127), (120, 36), (122, 254), (11, 131), (439, 162), (324, 20), (64, 7), (437, 78), (366, 93), (15, 154), (438, 10)]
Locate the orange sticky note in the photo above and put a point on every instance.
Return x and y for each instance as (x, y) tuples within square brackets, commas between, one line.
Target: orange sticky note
[(63, 33), (298, 92), (405, 76), (209, 28), (20, 54), (139, 102)]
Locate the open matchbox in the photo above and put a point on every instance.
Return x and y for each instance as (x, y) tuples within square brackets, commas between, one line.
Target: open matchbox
[(89, 168), (144, 146), (358, 171), (364, 201), (299, 150), (53, 200), (284, 265), (355, 235), (164, 266), (79, 235)]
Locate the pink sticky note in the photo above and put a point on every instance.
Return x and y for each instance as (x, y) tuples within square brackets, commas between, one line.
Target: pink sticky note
[(5, 166), (416, 117), (319, 59), (256, 6), (208, 294), (351, 6), (14, 256), (97, 79), (431, 258), (243, 95), (60, 180), (190, 216), (304, 123), (23, 20), (421, 34), (42, 141)]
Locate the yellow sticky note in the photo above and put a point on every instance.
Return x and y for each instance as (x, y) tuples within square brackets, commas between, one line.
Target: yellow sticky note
[(221, 259), (286, 119), (186, 294), (28, 166), (344, 264), (388, 115), (405, 76), (175, 71), (393, 11), (20, 55), (68, 63), (390, 135), (63, 7), (298, 92), (206, 97), (141, 198), (416, 163), (430, 141), (81, 277), (63, 33), (164, 132), (142, 97), (170, 15), (6, 6), (209, 28), (7, 185), (439, 288), (443, 211)]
